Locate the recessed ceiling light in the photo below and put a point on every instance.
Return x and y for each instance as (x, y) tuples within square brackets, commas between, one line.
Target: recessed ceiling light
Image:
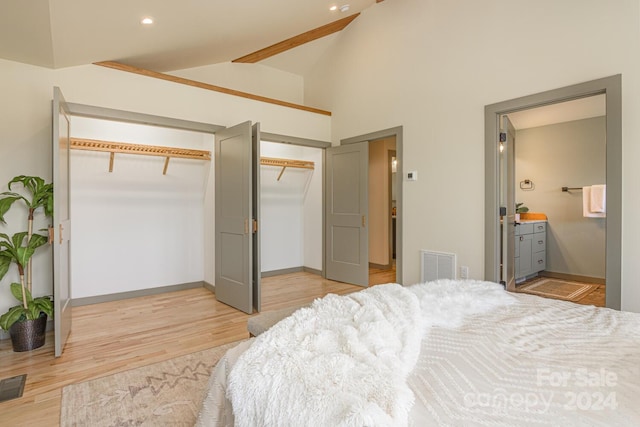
[(334, 7), (147, 21), (344, 8)]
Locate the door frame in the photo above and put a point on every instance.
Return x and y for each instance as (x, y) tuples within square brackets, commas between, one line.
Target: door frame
[(383, 134), (610, 86)]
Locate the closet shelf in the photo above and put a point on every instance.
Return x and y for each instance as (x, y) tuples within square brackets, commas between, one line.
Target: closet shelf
[(286, 163), (145, 150)]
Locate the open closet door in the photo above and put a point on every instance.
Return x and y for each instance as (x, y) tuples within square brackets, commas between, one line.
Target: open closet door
[(233, 223), (347, 205), (255, 162), (61, 222), (509, 223)]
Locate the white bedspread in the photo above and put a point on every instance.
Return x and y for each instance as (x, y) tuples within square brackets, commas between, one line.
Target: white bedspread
[(538, 362), (487, 357), (341, 362)]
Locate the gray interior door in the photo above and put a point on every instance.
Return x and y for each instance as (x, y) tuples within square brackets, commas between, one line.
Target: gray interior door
[(347, 204), (233, 198), (255, 162), (61, 222), (509, 223)]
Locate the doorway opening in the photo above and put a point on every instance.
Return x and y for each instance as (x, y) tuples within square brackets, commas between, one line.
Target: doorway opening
[(559, 246), (499, 207), (291, 209), (379, 217), (382, 210)]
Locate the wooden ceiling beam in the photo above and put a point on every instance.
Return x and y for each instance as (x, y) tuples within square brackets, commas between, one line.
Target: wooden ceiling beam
[(207, 86), (298, 40)]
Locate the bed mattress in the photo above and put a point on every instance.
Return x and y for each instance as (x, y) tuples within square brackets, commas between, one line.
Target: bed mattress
[(487, 357)]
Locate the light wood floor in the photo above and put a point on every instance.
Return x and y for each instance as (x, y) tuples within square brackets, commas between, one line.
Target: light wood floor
[(117, 336)]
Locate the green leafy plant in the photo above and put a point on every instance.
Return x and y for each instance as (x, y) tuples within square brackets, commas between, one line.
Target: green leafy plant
[(41, 197), (521, 209), (20, 248)]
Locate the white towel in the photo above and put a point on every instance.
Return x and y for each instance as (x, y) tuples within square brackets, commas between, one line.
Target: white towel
[(586, 205), (598, 199)]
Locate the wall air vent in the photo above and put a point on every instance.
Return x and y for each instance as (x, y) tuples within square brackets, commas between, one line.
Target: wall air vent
[(437, 265)]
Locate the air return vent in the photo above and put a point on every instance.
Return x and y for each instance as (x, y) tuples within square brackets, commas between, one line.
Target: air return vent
[(437, 265)]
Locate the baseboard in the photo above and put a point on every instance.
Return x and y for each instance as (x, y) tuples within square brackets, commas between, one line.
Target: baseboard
[(289, 271), (312, 271), (281, 271), (573, 277), (380, 266), (208, 286), (76, 302)]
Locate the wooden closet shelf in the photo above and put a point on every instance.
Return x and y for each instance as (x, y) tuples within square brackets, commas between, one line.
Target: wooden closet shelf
[(286, 163), (146, 150)]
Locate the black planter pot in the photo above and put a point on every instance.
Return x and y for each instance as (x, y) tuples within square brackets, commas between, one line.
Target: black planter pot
[(28, 334)]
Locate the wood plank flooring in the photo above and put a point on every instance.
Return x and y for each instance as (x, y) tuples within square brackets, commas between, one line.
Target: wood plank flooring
[(121, 335), (117, 336)]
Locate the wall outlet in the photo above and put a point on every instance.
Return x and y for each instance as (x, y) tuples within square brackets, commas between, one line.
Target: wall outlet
[(464, 272)]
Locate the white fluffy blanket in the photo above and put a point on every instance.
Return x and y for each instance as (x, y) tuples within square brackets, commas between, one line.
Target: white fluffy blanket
[(341, 362), (345, 360)]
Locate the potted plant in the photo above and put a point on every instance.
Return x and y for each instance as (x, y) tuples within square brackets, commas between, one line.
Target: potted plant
[(25, 322), (520, 209)]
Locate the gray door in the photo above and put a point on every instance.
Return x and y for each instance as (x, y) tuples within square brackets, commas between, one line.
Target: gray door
[(233, 198), (255, 163), (509, 224), (61, 222), (347, 204)]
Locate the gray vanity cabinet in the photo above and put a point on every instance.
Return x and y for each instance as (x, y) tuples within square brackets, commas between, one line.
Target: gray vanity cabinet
[(531, 257)]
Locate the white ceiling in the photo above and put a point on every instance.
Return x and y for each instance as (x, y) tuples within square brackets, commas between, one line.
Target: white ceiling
[(188, 33), (578, 109)]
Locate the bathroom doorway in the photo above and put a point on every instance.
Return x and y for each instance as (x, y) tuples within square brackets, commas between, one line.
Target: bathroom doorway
[(610, 87), (560, 248)]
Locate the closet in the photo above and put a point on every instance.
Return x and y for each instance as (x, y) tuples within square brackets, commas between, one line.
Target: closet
[(135, 228), (143, 214), (291, 208)]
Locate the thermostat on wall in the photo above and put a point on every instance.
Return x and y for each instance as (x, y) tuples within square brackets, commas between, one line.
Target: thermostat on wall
[(412, 176)]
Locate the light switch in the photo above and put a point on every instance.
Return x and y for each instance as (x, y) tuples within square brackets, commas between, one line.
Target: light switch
[(412, 176)]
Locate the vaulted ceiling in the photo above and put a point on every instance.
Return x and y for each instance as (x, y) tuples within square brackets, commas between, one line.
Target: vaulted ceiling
[(185, 34)]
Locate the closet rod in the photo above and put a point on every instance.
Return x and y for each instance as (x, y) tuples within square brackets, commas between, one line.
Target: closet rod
[(286, 163), (141, 149)]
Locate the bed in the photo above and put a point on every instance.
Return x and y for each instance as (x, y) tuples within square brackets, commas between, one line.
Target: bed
[(445, 353)]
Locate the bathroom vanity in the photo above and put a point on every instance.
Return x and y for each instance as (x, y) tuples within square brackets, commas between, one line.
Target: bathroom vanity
[(531, 244)]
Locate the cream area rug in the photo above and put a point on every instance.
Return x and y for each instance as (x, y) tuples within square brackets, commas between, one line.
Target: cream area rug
[(166, 393), (558, 289)]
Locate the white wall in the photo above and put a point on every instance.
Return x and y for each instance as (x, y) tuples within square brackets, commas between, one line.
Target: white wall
[(252, 78), (25, 149), (291, 210), (570, 154), (25, 144), (432, 66), (135, 228)]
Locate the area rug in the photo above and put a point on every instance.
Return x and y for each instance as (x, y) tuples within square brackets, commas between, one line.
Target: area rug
[(558, 289), (166, 393)]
